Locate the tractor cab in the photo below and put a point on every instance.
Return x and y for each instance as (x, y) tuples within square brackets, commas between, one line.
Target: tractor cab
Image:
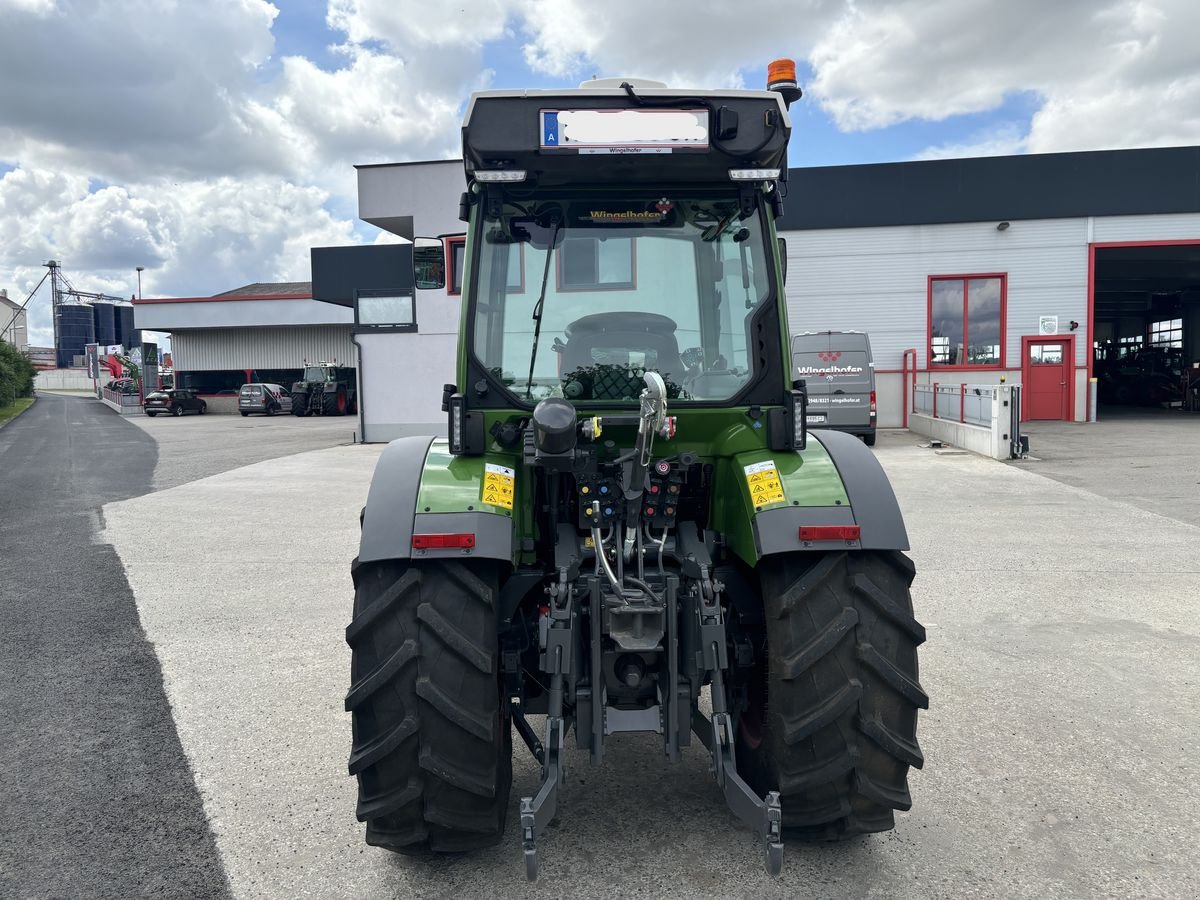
[(617, 230)]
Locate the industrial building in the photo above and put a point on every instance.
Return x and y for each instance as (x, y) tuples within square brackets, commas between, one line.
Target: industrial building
[(255, 333), (1075, 275)]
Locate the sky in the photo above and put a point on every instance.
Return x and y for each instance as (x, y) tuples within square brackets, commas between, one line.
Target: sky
[(213, 143)]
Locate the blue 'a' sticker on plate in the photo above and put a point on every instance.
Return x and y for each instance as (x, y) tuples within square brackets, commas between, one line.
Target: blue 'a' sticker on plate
[(549, 129)]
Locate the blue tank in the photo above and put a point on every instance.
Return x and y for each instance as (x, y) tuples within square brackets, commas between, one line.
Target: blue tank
[(106, 323), (76, 329), (127, 336)]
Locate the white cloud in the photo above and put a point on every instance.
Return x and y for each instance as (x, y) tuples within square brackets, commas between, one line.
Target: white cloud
[(33, 7), (1003, 140), (168, 135), (1117, 74), (404, 24), (194, 238), (706, 43)]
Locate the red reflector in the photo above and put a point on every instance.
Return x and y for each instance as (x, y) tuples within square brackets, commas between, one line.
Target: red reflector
[(442, 541), (829, 532)]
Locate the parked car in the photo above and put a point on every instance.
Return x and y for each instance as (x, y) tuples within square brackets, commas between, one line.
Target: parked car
[(175, 402), (122, 386), (267, 399), (840, 376)]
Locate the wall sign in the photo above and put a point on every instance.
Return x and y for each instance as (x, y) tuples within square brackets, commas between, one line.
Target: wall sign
[(1047, 324)]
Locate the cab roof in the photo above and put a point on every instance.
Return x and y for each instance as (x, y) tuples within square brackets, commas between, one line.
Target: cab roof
[(507, 130)]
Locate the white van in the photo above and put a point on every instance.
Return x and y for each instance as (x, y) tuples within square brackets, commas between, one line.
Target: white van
[(837, 368)]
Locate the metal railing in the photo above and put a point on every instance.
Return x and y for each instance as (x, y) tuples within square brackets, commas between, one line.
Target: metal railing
[(967, 403), (122, 400)]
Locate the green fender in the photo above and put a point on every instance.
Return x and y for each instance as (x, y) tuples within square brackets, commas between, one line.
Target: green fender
[(762, 498), (419, 489)]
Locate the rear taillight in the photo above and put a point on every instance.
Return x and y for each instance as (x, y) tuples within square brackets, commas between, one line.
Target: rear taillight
[(442, 541), (829, 532), (872, 403)]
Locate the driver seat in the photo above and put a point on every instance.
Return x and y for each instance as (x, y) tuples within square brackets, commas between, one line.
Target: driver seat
[(612, 338)]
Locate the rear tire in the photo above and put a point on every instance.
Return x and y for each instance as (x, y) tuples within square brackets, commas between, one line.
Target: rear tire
[(152, 414), (334, 403), (432, 748), (299, 404), (245, 414), (869, 439), (832, 723)]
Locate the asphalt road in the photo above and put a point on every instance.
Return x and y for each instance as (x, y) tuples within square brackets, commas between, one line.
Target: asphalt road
[(96, 794), (1062, 746)]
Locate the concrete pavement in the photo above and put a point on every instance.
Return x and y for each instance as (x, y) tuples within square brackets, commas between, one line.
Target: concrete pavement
[(1061, 744), (1149, 458)]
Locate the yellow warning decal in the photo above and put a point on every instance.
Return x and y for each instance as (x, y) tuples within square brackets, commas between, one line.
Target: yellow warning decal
[(763, 480), (497, 489)]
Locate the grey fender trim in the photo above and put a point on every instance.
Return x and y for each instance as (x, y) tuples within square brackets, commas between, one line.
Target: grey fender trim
[(872, 499), (778, 530), (387, 526), (493, 534)]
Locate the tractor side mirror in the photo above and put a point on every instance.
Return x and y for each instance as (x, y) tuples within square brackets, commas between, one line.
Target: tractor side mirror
[(783, 257), (429, 264)]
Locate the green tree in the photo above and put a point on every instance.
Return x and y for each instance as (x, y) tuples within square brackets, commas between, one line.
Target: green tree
[(16, 374)]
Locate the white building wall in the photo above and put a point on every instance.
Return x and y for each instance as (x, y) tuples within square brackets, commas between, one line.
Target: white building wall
[(877, 280), (402, 374), (168, 315), (15, 331), (219, 349), (1178, 227)]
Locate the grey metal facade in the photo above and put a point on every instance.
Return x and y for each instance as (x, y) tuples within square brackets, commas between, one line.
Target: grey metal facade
[(223, 349)]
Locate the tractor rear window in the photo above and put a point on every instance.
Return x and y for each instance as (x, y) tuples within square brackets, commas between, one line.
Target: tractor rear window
[(630, 284)]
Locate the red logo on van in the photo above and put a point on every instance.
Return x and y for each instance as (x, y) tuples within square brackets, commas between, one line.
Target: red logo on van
[(829, 356)]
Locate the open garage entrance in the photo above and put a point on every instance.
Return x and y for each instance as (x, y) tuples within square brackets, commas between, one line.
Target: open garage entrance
[(1146, 327)]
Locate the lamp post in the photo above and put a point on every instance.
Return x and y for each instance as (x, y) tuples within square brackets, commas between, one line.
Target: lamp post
[(140, 269)]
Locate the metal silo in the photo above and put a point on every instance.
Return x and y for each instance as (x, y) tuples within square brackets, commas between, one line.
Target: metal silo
[(106, 323), (76, 328), (126, 335)]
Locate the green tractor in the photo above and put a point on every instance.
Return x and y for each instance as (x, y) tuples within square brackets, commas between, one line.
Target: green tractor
[(325, 390), (628, 527)]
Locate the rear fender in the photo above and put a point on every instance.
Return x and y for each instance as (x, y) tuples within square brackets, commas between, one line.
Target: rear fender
[(420, 488), (763, 498)]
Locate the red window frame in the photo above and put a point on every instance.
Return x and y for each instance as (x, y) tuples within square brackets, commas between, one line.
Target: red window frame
[(450, 268), (930, 365), (461, 241)]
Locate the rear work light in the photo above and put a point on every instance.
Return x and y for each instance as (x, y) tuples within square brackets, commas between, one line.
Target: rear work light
[(829, 532), (493, 175), (753, 174), (443, 541)]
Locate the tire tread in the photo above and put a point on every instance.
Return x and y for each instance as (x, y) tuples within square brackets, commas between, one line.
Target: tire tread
[(842, 691)]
